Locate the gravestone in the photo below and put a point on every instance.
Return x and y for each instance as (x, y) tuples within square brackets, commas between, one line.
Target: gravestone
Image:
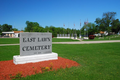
[(57, 35), (80, 36), (71, 35), (68, 35), (60, 35), (35, 47), (75, 36), (65, 35)]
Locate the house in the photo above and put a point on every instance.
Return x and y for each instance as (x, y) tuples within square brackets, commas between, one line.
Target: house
[(11, 34), (102, 33)]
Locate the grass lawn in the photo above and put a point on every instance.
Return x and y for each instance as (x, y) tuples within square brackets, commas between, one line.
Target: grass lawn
[(9, 40), (16, 40), (98, 61)]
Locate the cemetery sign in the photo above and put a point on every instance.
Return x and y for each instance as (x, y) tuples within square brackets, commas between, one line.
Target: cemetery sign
[(35, 43)]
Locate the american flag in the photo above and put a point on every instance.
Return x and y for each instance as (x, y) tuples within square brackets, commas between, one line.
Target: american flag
[(86, 22), (74, 24), (63, 24)]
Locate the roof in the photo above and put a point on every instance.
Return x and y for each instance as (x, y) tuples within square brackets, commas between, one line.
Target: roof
[(17, 31), (102, 32), (8, 32), (12, 32)]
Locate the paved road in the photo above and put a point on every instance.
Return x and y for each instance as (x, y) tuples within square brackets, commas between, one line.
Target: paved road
[(8, 44), (82, 42), (86, 42)]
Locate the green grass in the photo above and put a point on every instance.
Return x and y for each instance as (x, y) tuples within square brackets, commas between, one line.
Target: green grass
[(98, 61), (7, 52), (9, 40), (16, 40)]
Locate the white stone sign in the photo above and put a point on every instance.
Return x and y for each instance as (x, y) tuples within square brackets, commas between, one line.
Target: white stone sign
[(35, 47)]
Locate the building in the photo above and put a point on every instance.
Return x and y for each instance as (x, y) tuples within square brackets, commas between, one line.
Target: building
[(11, 34)]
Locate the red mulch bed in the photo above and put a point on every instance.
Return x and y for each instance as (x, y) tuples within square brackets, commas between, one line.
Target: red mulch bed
[(8, 67)]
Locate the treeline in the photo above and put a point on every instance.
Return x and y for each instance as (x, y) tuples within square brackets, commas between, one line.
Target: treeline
[(35, 27), (106, 23), (6, 27)]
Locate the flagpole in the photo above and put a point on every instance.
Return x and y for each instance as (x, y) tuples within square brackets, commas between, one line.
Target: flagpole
[(87, 29), (63, 29), (80, 29), (74, 31), (68, 28)]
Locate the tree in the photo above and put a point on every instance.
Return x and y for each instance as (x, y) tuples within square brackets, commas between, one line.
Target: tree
[(6, 27), (0, 29), (98, 21), (46, 29), (89, 28), (108, 19), (53, 30), (14, 29), (109, 16), (115, 26), (100, 24), (105, 23), (31, 26), (68, 30)]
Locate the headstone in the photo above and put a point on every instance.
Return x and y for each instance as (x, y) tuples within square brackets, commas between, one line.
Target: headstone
[(60, 35), (75, 36), (80, 36), (65, 35), (35, 47), (68, 35), (57, 35), (72, 35)]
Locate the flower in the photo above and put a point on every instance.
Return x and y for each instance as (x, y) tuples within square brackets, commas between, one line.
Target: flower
[(47, 68)]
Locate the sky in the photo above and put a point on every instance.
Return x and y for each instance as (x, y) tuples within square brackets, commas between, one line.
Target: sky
[(55, 12)]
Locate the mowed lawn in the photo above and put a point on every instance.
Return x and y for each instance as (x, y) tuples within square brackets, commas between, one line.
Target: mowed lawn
[(16, 40), (97, 61), (9, 40)]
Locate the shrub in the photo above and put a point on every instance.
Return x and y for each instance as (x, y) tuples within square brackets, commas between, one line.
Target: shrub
[(91, 36), (52, 36)]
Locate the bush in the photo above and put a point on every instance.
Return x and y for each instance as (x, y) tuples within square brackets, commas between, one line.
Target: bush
[(91, 36), (52, 36)]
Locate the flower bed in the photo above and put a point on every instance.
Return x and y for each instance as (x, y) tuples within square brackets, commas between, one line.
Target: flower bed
[(8, 70)]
